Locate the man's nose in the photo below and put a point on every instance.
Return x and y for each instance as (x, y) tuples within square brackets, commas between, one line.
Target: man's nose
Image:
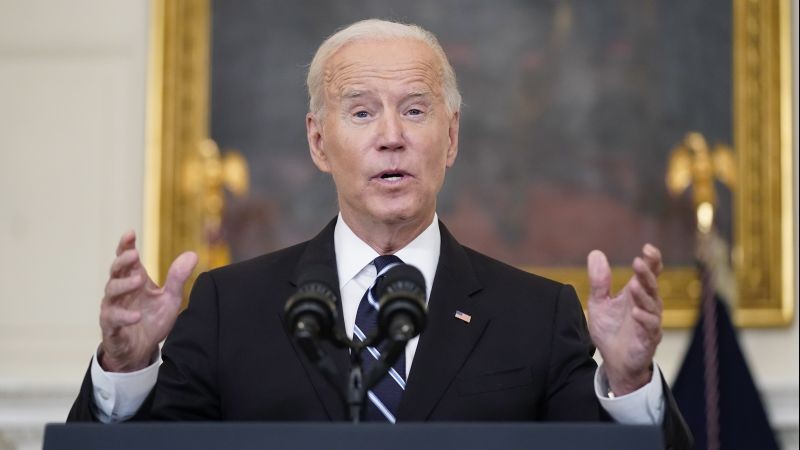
[(390, 133)]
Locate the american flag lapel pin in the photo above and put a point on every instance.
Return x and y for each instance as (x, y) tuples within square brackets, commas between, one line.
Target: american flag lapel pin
[(463, 316)]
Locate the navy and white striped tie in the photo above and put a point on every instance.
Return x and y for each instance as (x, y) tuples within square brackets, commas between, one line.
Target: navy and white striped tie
[(383, 398)]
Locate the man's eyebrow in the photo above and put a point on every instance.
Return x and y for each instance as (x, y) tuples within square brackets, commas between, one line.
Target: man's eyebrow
[(352, 94), (417, 94)]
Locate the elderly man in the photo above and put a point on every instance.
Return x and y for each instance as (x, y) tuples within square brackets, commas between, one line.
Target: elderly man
[(501, 344)]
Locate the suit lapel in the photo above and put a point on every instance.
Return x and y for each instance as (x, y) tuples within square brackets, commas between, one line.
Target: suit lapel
[(320, 251), (447, 341), (443, 347)]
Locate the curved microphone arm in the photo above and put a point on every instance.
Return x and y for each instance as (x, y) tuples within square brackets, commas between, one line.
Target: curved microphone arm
[(381, 368)]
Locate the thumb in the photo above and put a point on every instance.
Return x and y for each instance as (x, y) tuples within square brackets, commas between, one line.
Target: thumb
[(599, 274), (179, 272)]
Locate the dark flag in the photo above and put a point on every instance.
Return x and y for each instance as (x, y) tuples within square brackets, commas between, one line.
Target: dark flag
[(714, 388)]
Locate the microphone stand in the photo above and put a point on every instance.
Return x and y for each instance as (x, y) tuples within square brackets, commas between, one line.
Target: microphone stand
[(388, 358), (356, 390), (358, 383), (309, 344)]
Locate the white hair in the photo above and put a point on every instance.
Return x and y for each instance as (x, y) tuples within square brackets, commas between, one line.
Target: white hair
[(376, 29)]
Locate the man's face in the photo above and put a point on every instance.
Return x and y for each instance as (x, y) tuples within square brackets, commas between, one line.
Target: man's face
[(385, 136)]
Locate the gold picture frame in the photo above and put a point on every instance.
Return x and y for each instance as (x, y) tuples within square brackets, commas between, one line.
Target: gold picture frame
[(180, 207)]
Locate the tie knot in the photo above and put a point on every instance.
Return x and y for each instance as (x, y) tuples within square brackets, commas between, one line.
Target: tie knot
[(384, 261)]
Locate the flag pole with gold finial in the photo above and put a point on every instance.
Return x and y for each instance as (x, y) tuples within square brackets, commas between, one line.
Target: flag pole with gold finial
[(693, 164)]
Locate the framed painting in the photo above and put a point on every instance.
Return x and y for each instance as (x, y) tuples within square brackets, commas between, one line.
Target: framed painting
[(571, 112)]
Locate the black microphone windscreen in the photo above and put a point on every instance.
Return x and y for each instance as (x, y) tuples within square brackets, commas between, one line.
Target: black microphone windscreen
[(318, 280), (402, 276), (313, 305)]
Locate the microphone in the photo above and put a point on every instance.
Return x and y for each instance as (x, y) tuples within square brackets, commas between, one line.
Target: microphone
[(310, 313), (401, 296), (310, 316), (401, 315)]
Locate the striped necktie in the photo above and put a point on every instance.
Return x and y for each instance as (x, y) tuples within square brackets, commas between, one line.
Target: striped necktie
[(383, 398)]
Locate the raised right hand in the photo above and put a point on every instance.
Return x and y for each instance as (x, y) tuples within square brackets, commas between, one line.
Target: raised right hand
[(136, 314)]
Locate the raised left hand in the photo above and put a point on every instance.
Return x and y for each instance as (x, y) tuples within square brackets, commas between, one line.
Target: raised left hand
[(626, 328)]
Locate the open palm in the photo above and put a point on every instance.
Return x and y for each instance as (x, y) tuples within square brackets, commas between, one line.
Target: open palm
[(626, 327), (136, 314)]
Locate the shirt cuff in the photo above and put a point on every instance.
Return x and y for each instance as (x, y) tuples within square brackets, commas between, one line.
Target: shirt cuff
[(119, 395), (644, 406)]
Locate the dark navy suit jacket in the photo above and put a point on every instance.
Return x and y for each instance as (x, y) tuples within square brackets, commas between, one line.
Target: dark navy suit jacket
[(526, 354)]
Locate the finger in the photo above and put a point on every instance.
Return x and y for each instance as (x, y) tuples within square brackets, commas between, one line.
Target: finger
[(642, 299), (124, 263), (179, 272), (121, 286), (117, 317), (651, 323), (126, 241), (652, 256), (645, 276), (599, 274)]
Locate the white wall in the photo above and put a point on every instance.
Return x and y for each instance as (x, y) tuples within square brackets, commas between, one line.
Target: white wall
[(72, 95)]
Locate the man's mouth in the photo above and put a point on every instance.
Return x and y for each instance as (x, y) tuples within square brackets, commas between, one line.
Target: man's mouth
[(392, 176)]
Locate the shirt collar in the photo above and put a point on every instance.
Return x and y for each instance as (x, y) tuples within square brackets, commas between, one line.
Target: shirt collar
[(353, 254)]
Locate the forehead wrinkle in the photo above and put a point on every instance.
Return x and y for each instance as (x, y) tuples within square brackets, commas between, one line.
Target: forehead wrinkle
[(347, 77), (352, 75), (349, 96), (351, 89)]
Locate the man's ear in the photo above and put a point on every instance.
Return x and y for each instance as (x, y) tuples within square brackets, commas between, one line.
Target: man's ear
[(452, 149), (316, 144)]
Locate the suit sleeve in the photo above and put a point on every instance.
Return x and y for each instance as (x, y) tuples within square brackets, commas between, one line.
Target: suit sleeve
[(676, 432), (83, 409), (570, 387), (187, 387)]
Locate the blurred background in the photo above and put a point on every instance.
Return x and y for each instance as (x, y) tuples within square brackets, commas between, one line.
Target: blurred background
[(553, 90)]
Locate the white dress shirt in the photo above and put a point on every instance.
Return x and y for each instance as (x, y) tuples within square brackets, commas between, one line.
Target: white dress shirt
[(119, 395), (357, 273)]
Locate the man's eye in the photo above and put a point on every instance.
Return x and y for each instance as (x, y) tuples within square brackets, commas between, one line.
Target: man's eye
[(414, 112), (361, 114)]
